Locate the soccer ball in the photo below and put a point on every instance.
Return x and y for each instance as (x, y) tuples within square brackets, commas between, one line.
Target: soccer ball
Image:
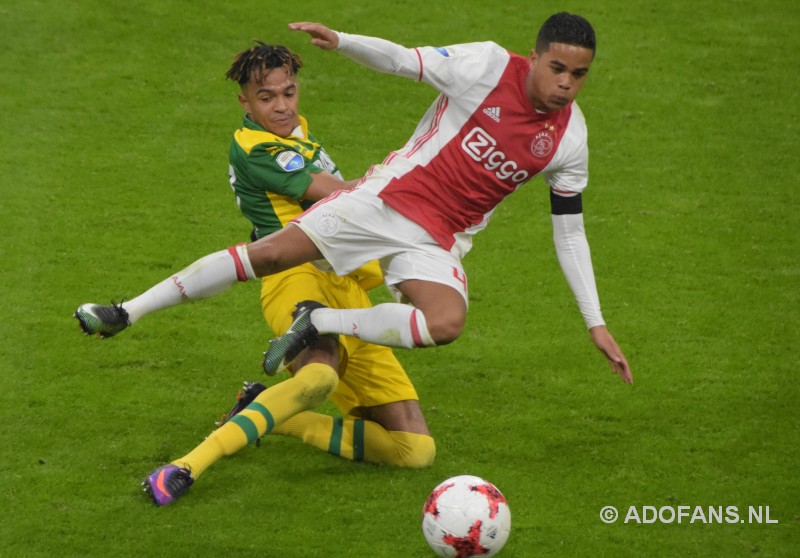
[(466, 516)]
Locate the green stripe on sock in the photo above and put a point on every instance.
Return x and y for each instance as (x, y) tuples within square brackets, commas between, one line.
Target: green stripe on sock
[(264, 412), (248, 426), (335, 446), (358, 440)]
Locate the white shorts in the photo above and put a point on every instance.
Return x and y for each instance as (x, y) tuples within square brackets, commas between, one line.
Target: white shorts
[(353, 227)]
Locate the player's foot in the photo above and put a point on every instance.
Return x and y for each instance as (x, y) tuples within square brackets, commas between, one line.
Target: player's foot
[(244, 397), (104, 321), (167, 483), (283, 350)]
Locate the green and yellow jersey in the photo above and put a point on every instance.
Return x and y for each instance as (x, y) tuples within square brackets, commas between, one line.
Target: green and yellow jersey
[(270, 174)]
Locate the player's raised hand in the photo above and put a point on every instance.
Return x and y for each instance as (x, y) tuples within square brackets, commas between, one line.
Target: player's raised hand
[(321, 36), (603, 340)]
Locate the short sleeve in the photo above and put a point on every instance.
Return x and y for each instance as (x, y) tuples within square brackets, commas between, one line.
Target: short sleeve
[(281, 171)]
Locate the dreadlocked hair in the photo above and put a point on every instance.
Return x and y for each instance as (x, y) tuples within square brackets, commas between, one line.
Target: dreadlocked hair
[(256, 62)]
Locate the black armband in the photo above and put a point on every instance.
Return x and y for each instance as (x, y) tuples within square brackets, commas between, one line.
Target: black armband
[(559, 205)]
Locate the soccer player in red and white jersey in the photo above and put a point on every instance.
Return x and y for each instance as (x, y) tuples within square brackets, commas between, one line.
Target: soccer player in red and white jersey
[(500, 120)]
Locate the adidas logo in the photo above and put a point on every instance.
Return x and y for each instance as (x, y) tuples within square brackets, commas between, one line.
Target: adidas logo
[(493, 113)]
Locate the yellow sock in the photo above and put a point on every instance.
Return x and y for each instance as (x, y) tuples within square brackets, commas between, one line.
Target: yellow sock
[(309, 387), (360, 440)]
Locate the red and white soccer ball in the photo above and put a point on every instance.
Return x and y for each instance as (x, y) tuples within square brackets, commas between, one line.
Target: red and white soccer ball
[(466, 516)]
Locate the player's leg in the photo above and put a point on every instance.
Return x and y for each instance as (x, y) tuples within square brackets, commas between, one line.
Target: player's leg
[(383, 422), (405, 424), (393, 433), (443, 306), (403, 416), (357, 226), (258, 409), (307, 389), (204, 278), (433, 281), (360, 439), (381, 393), (374, 438), (435, 317), (428, 277)]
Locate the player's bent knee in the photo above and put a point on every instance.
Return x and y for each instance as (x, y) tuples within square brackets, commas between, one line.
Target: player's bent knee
[(423, 455), (446, 332), (320, 380), (415, 451)]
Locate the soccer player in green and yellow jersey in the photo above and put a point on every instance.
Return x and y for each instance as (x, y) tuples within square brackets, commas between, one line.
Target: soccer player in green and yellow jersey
[(277, 170)]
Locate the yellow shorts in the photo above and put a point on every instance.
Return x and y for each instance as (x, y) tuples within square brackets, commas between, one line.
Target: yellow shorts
[(372, 374)]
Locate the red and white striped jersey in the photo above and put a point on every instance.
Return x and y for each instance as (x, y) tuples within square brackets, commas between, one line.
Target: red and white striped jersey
[(478, 142)]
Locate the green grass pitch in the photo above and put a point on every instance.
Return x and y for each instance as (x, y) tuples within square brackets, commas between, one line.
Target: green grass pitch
[(116, 121)]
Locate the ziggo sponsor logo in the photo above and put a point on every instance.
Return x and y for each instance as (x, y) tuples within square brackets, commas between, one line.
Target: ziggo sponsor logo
[(483, 148)]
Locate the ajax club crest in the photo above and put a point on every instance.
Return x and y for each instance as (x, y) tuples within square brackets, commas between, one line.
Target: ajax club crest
[(542, 143)]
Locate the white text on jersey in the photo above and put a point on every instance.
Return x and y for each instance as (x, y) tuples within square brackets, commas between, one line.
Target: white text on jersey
[(482, 147)]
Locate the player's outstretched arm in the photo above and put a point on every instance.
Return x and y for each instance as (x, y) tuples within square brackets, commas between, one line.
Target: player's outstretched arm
[(321, 36), (375, 53), (603, 340), (323, 184)]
